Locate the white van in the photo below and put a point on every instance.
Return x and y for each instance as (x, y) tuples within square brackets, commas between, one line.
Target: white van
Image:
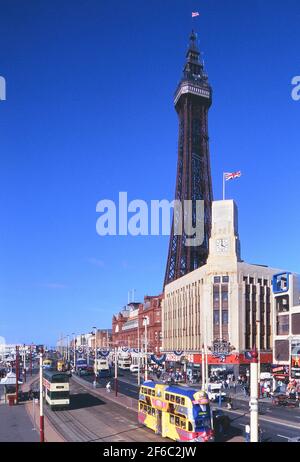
[(214, 391)]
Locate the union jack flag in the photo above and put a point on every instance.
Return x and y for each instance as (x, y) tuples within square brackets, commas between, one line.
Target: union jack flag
[(195, 14), (232, 176)]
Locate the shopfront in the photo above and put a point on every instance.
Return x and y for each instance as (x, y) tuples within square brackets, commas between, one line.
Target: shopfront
[(295, 359)]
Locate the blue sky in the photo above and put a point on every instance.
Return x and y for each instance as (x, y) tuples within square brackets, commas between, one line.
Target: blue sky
[(89, 113)]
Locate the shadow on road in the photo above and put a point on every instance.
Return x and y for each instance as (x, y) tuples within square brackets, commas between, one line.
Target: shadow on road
[(83, 400)]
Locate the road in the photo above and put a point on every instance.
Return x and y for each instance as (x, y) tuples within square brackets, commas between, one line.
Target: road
[(92, 419), (269, 415)]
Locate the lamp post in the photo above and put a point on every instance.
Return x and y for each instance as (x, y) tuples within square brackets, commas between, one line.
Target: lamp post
[(17, 374), (42, 432), (203, 367), (74, 350), (146, 348), (139, 356), (254, 396), (258, 357), (68, 348), (30, 363), (95, 362), (116, 372), (24, 363)]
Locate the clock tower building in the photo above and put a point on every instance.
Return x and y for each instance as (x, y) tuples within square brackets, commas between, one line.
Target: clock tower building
[(224, 242)]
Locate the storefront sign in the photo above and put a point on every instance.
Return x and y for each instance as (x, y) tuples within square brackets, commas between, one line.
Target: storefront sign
[(171, 357), (280, 371), (295, 359)]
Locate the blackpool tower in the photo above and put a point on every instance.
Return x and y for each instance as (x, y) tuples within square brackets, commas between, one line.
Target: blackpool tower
[(192, 101)]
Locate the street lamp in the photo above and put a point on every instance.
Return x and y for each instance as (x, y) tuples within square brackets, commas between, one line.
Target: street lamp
[(145, 318), (95, 362), (116, 372), (74, 349), (139, 356), (42, 432), (17, 373), (68, 348), (30, 363), (203, 367), (254, 396)]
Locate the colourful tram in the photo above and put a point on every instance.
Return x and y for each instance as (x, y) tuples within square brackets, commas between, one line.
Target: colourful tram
[(181, 414), (56, 389)]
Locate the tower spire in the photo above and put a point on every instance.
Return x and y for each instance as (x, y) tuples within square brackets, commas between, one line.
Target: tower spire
[(194, 68), (192, 101)]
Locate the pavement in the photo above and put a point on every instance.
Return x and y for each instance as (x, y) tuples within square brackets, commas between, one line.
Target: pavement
[(16, 425), (22, 420)]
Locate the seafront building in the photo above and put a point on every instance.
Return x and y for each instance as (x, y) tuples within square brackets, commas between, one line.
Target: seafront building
[(225, 306)]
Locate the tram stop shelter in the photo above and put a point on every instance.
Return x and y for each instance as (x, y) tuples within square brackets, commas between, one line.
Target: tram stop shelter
[(9, 383)]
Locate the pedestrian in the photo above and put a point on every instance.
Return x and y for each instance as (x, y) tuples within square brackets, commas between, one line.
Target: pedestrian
[(260, 432), (229, 403), (108, 387), (247, 434)]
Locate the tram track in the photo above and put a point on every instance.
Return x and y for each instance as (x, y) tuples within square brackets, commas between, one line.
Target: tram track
[(70, 427), (98, 422)]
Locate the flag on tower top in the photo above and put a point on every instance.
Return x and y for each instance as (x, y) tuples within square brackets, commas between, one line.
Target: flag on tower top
[(232, 176), (195, 14)]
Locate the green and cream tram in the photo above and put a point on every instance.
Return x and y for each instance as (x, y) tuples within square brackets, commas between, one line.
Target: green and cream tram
[(57, 389)]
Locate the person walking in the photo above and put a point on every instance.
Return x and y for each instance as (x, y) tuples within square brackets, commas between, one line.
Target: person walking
[(229, 403), (260, 432), (108, 387), (247, 434)]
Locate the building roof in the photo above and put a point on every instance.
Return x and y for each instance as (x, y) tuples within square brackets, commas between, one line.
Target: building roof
[(10, 379)]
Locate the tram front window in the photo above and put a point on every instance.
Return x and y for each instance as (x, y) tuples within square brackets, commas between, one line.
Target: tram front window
[(202, 423), (59, 395), (60, 378)]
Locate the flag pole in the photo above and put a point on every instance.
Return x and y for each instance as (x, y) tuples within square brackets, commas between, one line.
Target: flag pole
[(223, 186)]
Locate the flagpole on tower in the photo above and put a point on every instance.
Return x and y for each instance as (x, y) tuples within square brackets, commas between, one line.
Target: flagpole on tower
[(223, 186)]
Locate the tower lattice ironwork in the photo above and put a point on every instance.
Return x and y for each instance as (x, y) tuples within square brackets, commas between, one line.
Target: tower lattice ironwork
[(192, 101)]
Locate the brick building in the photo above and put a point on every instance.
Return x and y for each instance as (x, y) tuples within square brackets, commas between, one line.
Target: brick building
[(128, 326), (103, 338)]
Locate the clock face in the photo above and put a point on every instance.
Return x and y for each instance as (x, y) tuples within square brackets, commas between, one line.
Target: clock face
[(222, 245)]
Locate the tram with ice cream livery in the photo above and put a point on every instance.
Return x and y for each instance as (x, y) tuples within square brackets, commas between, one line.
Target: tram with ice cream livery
[(178, 413)]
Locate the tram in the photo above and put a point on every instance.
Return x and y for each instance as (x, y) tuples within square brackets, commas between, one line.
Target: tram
[(124, 362), (181, 414), (61, 366), (102, 368), (57, 389), (47, 363)]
